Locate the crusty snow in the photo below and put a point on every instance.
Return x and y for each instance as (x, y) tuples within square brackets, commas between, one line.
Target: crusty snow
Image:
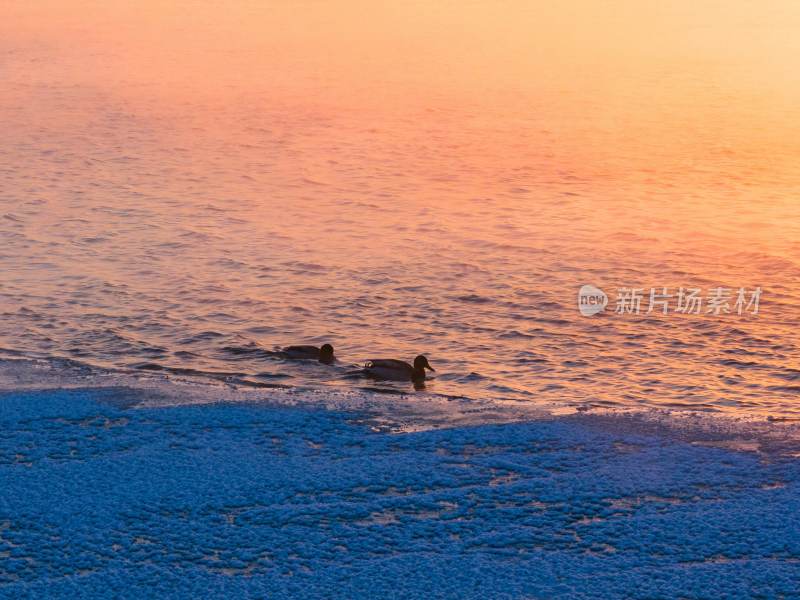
[(100, 498)]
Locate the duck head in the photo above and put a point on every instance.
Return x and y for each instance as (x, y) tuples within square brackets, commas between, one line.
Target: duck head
[(418, 374), (421, 363), (326, 354)]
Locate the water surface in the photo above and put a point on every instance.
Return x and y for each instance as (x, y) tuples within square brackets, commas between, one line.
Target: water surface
[(177, 180)]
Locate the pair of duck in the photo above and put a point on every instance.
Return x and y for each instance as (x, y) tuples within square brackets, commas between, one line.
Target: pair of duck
[(378, 368)]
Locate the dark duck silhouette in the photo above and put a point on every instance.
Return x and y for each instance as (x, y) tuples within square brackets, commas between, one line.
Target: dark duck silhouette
[(323, 354), (398, 370)]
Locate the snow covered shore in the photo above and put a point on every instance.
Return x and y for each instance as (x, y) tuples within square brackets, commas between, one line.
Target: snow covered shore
[(99, 498)]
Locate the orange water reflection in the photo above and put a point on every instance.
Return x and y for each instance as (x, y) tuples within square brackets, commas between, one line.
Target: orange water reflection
[(419, 154)]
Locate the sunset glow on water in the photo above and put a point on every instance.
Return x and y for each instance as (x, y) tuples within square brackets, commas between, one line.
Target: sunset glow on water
[(181, 178)]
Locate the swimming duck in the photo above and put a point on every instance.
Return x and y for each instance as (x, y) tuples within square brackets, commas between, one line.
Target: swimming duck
[(323, 354), (398, 370)]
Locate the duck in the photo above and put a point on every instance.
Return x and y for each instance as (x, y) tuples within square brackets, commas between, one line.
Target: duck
[(398, 370), (323, 354)]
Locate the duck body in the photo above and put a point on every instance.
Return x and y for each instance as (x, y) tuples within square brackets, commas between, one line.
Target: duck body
[(323, 354), (397, 370)]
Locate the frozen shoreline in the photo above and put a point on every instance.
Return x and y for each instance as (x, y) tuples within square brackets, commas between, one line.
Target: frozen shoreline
[(248, 500)]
